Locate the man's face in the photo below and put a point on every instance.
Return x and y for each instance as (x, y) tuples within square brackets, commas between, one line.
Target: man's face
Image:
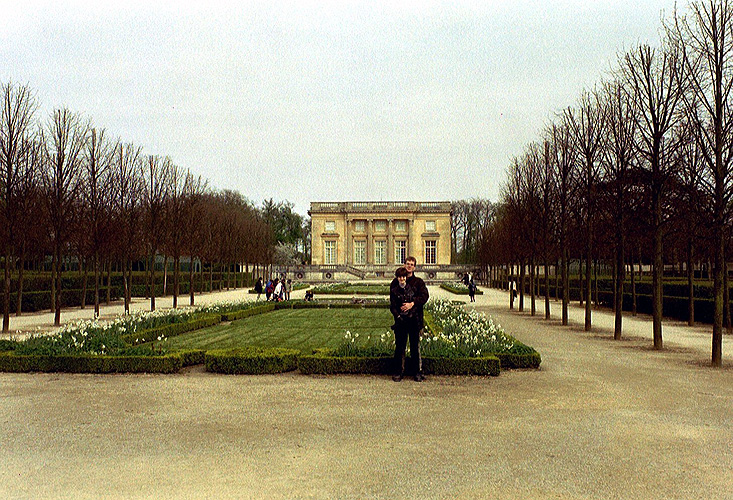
[(410, 266)]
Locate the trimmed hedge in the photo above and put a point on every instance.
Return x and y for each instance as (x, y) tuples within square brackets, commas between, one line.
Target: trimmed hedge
[(251, 360), (518, 361), (168, 363), (171, 330), (323, 362)]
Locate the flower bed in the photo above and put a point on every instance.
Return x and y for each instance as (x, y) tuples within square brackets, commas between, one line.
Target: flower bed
[(455, 342)]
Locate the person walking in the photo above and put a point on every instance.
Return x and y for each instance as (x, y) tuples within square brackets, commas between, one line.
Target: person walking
[(258, 288), (472, 290), (407, 297)]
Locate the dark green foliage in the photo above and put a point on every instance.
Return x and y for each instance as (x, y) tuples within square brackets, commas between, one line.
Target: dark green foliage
[(327, 362), (251, 360), (12, 362), (324, 361), (8, 345), (488, 365), (510, 360)]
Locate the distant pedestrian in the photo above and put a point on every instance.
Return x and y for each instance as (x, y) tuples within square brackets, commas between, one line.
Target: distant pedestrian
[(269, 289), (472, 290), (278, 293), (258, 288), (288, 288)]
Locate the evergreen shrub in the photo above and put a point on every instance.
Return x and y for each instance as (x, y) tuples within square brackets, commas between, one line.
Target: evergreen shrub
[(251, 360)]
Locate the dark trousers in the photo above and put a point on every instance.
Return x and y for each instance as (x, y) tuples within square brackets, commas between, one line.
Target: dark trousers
[(400, 341)]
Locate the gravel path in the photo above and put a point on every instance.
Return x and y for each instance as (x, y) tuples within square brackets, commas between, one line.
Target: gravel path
[(601, 419)]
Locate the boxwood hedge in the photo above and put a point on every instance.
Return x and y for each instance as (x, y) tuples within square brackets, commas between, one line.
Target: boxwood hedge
[(251, 360), (167, 363), (323, 361)]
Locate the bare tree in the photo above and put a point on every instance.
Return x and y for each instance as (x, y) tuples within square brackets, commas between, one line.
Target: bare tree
[(96, 191), (16, 115), (155, 193), (618, 156), (653, 77), (564, 162), (66, 137), (706, 38), (587, 124), (127, 200)]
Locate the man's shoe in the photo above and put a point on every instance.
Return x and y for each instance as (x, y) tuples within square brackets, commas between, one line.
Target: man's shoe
[(419, 377), (397, 378)]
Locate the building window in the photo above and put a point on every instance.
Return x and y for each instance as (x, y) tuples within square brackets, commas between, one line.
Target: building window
[(429, 226), (380, 252), (360, 252), (431, 251), (400, 226), (359, 226), (380, 226), (329, 252), (400, 251), (330, 226)]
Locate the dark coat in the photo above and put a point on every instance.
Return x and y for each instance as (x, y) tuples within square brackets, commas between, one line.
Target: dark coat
[(419, 295)]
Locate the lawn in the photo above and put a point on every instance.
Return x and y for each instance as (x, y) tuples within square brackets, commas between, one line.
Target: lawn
[(303, 329)]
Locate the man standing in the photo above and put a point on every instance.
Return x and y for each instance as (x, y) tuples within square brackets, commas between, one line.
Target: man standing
[(409, 307)]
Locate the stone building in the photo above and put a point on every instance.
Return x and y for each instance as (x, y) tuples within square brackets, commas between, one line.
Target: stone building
[(372, 238)]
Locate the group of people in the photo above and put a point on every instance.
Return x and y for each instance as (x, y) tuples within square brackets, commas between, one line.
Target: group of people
[(277, 289), (407, 297)]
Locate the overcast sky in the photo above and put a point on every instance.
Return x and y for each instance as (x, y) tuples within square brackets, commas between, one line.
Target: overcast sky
[(323, 100)]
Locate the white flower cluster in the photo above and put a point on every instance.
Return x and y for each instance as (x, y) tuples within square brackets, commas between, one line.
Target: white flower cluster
[(468, 332)]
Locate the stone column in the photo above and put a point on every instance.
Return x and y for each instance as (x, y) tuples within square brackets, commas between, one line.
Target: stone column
[(369, 242), (390, 242), (347, 242)]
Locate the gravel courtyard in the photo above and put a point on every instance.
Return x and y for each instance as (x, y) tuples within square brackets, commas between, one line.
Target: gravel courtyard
[(600, 419)]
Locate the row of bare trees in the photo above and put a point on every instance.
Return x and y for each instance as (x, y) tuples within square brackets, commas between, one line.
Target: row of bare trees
[(69, 189), (640, 165)]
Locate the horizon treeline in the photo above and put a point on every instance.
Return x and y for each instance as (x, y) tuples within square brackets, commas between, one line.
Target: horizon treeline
[(639, 168), (71, 190)]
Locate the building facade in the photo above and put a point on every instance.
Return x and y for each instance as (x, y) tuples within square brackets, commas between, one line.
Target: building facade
[(375, 237)]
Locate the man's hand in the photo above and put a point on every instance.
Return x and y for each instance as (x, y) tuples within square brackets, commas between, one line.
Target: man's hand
[(407, 306)]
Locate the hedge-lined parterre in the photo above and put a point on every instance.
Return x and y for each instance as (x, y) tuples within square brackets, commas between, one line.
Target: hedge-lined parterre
[(251, 360)]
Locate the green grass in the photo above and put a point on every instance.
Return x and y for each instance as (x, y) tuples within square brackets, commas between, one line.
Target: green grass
[(302, 329)]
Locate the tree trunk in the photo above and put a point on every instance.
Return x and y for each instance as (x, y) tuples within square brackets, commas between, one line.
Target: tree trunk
[(633, 286), (6, 294), (619, 286), (109, 282), (521, 286), (658, 274), (190, 283), (547, 289), (690, 284), (565, 285), (84, 282), (152, 282), (176, 277), (57, 305), (532, 274), (96, 284), (19, 298), (588, 289)]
